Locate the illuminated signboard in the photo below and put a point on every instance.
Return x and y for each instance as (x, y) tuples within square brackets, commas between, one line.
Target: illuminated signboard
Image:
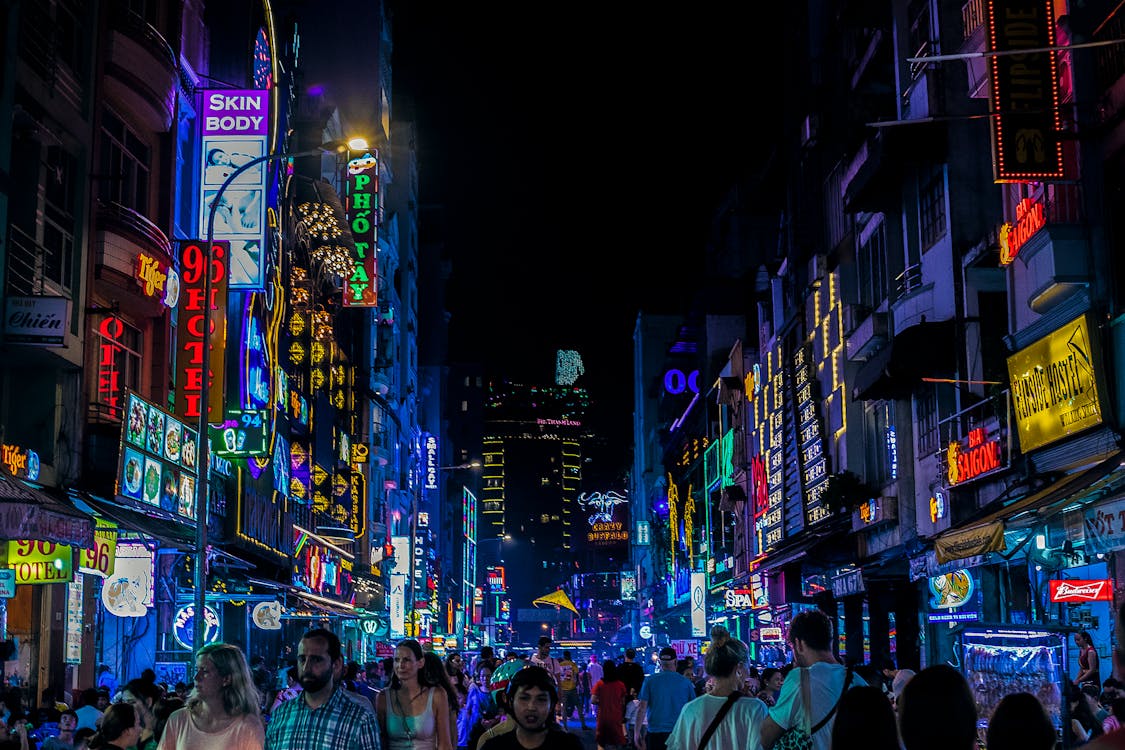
[(243, 433), (157, 279), (605, 526), (183, 627), (814, 464), (128, 592), (1076, 592), (1030, 218), (158, 460), (1054, 384), (363, 217), (938, 509), (74, 629), (628, 586), (677, 382), (39, 320), (20, 462), (113, 334), (99, 559), (234, 130), (41, 562), (770, 635), (497, 584), (1024, 95), (972, 457), (190, 336), (430, 461), (255, 368), (952, 590), (469, 550)]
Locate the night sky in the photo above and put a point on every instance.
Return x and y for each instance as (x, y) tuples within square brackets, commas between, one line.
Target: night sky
[(579, 151)]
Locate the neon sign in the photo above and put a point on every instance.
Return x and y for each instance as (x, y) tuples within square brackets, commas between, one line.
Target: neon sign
[(20, 462), (363, 215), (157, 279), (1030, 218), (191, 337), (967, 460), (1100, 590), (676, 382), (937, 507), (430, 458), (602, 503)]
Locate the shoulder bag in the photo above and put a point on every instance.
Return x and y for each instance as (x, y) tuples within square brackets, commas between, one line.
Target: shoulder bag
[(723, 711), (798, 736)]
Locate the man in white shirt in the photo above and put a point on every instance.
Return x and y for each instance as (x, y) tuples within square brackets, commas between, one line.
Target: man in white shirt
[(810, 635), (543, 658), (594, 669)]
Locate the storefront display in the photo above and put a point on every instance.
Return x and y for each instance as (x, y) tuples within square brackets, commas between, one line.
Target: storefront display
[(998, 662)]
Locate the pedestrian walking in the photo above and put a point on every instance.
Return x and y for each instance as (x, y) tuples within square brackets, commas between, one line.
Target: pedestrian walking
[(120, 729), (663, 696), (584, 687), (222, 711), (609, 696), (434, 672), (938, 688), (414, 710), (1089, 665), (498, 684), (818, 675), (477, 703), (531, 699), (631, 673), (865, 719), (322, 717), (723, 719), (771, 685), (595, 670), (143, 695), (568, 690), (542, 658)]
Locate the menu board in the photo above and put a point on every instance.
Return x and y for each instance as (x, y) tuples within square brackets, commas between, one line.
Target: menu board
[(158, 458)]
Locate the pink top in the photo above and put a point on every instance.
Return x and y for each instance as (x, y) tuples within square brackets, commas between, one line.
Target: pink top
[(182, 733)]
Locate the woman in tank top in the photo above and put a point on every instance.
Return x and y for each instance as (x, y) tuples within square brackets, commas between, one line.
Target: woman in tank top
[(414, 714)]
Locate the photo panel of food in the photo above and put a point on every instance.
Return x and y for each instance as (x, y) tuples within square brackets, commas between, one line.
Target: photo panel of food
[(189, 448), (173, 435), (137, 422), (170, 489), (186, 505), (153, 472), (132, 473), (155, 431)]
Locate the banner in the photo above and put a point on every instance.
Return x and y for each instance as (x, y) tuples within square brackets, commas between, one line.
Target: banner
[(1105, 526), (956, 545), (398, 606), (698, 604)]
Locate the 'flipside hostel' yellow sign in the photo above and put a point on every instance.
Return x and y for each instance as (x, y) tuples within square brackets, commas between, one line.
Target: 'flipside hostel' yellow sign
[(1055, 385)]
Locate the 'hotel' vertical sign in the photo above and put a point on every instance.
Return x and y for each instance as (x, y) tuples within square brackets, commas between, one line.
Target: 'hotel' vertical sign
[(1024, 95), (190, 336)]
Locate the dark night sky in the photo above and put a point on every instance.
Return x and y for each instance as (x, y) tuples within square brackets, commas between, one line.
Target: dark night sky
[(579, 151)]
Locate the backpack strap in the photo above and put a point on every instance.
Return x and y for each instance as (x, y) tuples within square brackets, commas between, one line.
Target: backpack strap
[(826, 719), (723, 711)]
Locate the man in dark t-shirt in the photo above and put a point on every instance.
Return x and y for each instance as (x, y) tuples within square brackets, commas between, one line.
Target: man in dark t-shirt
[(631, 673), (531, 700)]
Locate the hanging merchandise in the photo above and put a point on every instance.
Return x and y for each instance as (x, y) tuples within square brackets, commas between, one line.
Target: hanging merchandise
[(1003, 661)]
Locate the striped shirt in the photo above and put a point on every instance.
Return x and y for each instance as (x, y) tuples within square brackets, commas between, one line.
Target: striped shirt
[(339, 724)]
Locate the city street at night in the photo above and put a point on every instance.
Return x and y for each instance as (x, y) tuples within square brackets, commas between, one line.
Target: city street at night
[(474, 376)]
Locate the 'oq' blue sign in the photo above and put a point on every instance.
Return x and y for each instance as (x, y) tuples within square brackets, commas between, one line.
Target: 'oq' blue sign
[(676, 382)]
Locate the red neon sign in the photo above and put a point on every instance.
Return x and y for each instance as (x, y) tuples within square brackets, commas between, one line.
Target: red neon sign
[(111, 361), (1082, 591), (1030, 218), (759, 486), (971, 460), (190, 335)]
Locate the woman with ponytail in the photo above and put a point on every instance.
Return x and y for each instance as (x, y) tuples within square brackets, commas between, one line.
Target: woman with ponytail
[(120, 728), (723, 719)]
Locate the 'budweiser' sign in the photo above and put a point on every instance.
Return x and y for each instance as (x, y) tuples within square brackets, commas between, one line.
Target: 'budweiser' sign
[(1082, 591)]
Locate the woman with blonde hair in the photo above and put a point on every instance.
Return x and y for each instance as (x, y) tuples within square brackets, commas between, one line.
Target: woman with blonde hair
[(222, 710), (703, 722)]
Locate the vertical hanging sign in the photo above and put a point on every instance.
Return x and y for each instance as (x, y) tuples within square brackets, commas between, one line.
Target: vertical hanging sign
[(235, 126), (363, 218), (190, 337), (1024, 95)]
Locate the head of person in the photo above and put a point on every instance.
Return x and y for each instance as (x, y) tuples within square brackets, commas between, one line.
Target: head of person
[(726, 656), (82, 738), (810, 635), (484, 673), (68, 721), (388, 667), (609, 671), (938, 685), (532, 698), (89, 697), (566, 655), (101, 700), (772, 679), (142, 695), (120, 725), (221, 674), (1020, 721), (1082, 639), (164, 710), (668, 658), (544, 646), (864, 718), (499, 681), (217, 157), (454, 664), (487, 653), (320, 659), (409, 662), (630, 654)]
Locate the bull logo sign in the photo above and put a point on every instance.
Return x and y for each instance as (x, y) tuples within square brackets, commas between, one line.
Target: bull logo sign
[(602, 504)]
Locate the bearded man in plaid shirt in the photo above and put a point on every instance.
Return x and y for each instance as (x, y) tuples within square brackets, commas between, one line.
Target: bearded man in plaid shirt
[(322, 717)]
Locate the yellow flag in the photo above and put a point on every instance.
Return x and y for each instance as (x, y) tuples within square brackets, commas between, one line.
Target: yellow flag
[(557, 599)]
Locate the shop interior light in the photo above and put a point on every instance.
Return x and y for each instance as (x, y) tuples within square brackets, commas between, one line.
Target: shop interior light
[(1040, 541)]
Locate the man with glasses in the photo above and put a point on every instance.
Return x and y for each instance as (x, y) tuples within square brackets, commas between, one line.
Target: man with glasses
[(666, 692)]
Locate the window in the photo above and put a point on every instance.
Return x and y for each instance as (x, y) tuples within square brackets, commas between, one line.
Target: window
[(125, 163), (873, 266), (931, 205), (882, 449), (58, 216), (931, 402)]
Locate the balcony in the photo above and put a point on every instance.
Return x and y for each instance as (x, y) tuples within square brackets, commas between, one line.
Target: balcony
[(35, 270), (141, 71), (121, 235), (868, 337)]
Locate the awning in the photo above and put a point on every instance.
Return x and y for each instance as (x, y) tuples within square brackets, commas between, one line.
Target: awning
[(1036, 508), (325, 605), (893, 372), (150, 522), (30, 513)]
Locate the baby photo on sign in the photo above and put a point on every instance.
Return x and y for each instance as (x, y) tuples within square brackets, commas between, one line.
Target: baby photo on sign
[(239, 211), (222, 158)]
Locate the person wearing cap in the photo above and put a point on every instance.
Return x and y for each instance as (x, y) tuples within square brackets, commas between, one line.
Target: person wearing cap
[(665, 693), (543, 658)]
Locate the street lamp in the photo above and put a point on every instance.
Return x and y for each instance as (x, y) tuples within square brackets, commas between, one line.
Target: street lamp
[(204, 452)]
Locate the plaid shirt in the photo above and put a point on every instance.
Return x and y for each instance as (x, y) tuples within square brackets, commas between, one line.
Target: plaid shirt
[(340, 724)]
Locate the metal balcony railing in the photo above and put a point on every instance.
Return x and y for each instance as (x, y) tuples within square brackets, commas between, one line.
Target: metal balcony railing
[(907, 281), (972, 18), (1111, 58), (116, 217), (34, 269)]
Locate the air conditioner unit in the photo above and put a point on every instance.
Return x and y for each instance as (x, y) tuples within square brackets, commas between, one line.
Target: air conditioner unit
[(809, 130)]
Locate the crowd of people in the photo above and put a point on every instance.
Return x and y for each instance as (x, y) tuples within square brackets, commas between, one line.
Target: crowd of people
[(417, 700)]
